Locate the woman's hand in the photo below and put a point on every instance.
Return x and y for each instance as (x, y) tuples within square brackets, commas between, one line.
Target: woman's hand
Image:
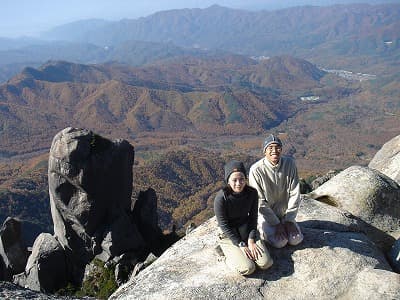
[(255, 251), (246, 251)]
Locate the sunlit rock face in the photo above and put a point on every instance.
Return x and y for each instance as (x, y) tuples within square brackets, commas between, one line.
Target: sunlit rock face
[(387, 159), (336, 260), (368, 195)]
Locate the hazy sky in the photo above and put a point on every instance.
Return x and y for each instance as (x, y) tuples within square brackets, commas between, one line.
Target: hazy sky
[(30, 17)]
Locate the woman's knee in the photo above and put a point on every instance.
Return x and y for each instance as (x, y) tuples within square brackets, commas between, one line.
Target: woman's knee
[(265, 261), (265, 264), (247, 268), (243, 266)]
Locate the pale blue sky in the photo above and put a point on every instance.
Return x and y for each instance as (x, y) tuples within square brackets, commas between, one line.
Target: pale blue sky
[(30, 17)]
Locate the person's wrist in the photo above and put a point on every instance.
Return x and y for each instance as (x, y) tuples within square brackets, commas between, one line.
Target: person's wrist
[(242, 244)]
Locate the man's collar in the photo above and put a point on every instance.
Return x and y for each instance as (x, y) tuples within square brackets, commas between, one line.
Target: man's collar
[(268, 163)]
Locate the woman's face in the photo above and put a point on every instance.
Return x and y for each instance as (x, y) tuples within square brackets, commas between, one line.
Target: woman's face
[(237, 181)]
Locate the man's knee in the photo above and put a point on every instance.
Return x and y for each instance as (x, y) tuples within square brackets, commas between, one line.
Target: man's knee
[(295, 240), (278, 243)]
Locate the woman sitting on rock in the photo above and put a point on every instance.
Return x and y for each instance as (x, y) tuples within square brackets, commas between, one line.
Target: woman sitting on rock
[(236, 210)]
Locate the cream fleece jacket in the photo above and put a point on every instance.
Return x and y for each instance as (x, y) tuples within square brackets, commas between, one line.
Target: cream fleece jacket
[(278, 189)]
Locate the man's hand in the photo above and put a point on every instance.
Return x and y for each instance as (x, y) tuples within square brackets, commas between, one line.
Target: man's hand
[(291, 229), (280, 232)]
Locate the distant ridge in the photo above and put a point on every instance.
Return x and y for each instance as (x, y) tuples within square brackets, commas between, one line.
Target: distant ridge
[(74, 30), (345, 29), (357, 37)]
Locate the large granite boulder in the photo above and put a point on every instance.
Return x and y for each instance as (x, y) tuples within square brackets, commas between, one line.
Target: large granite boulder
[(13, 251), (90, 185), (322, 179), (146, 217), (394, 256), (368, 195), (335, 261), (387, 159), (46, 269)]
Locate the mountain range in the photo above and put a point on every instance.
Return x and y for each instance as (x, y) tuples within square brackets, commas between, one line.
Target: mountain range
[(358, 37), (204, 86), (350, 29), (185, 119), (218, 95)]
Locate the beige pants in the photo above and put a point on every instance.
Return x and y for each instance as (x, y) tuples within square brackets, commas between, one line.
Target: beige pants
[(237, 260)]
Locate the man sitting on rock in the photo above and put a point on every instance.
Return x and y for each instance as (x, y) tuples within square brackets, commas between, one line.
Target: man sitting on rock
[(276, 181)]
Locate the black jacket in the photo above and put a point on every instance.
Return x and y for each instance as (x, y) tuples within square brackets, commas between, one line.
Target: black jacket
[(233, 211)]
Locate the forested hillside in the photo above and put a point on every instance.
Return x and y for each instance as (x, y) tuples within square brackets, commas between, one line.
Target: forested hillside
[(193, 97), (332, 94)]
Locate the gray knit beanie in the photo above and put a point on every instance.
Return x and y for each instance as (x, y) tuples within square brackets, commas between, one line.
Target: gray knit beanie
[(234, 166), (271, 139)]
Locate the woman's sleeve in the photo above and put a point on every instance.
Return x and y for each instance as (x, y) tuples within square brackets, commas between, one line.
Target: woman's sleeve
[(222, 219), (253, 214)]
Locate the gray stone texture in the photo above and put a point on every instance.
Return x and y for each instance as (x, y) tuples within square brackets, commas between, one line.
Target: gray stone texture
[(90, 184), (394, 256), (46, 269), (332, 263), (146, 217), (368, 195), (12, 291), (13, 251), (387, 159)]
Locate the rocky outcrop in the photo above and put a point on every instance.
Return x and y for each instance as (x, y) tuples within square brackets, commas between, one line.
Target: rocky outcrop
[(145, 213), (335, 261), (90, 186), (13, 252), (387, 159), (9, 290), (46, 269), (394, 256), (322, 179), (368, 195)]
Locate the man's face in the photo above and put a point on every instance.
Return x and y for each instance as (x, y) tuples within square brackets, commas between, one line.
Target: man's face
[(273, 153)]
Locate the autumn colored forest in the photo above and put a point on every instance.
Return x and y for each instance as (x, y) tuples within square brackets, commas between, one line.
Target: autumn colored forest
[(187, 115)]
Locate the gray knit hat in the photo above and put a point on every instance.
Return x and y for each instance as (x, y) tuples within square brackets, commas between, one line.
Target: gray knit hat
[(234, 166), (271, 139)]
